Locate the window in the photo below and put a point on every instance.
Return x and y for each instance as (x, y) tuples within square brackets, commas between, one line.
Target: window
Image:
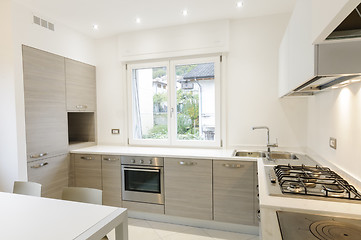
[(175, 102)]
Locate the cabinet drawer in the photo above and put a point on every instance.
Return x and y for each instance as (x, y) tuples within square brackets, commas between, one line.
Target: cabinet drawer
[(88, 171), (51, 173), (111, 178), (234, 192), (188, 188)]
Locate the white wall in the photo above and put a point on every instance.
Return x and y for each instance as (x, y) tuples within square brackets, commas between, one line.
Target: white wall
[(18, 29), (111, 92), (337, 113), (249, 84), (252, 87), (8, 132)]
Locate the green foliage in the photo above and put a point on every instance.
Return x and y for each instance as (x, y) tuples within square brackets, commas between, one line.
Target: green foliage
[(157, 132), (181, 70), (159, 72), (159, 98)]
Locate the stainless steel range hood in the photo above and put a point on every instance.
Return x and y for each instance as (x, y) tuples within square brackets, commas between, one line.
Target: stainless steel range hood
[(350, 27), (337, 64)]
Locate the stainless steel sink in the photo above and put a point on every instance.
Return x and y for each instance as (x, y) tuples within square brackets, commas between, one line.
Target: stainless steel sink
[(255, 154), (282, 155)]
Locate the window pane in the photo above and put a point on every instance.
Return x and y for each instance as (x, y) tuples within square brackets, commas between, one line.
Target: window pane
[(195, 92), (150, 96)]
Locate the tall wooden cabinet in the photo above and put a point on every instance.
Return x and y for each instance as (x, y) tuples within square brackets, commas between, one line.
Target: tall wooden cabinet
[(45, 107), (80, 86), (188, 188), (235, 192), (46, 120)]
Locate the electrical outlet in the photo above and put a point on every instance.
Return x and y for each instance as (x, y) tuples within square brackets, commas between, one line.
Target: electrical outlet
[(333, 143), (115, 131)]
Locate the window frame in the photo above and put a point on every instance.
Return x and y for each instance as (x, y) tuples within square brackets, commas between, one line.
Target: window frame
[(172, 140)]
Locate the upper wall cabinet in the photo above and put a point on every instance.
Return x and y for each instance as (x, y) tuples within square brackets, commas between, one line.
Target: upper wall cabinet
[(80, 86)]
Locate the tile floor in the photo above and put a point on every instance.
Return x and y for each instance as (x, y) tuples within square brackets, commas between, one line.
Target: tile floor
[(149, 230)]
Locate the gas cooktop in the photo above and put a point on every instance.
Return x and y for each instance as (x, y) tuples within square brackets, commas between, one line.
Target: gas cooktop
[(310, 181)]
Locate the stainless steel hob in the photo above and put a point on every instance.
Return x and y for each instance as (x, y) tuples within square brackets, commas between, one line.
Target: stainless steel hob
[(300, 226), (310, 182)]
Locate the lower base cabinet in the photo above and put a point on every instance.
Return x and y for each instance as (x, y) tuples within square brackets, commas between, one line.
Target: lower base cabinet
[(111, 179), (51, 173), (234, 192), (87, 171), (188, 188)]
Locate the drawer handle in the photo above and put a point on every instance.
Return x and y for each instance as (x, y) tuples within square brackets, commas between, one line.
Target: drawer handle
[(227, 165), (187, 163), (86, 158), (110, 159), (40, 165), (38, 155), (81, 106)]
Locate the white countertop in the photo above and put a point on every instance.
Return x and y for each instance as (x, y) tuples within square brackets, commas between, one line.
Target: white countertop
[(29, 217), (161, 152)]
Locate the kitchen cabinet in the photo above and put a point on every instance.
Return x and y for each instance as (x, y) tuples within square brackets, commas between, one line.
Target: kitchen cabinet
[(111, 179), (80, 86), (188, 188), (234, 192), (45, 107), (51, 173), (87, 171)]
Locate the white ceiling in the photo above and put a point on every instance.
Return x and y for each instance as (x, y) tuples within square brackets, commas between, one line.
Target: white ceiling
[(116, 16)]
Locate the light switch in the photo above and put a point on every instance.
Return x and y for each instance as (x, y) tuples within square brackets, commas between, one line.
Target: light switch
[(333, 143), (115, 131)]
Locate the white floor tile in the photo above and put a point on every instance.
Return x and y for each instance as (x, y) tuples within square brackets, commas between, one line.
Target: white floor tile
[(222, 235)]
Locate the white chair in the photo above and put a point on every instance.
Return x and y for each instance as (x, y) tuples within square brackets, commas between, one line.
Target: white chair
[(27, 188), (85, 195)]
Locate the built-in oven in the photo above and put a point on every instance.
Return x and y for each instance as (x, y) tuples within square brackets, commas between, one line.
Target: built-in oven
[(143, 179)]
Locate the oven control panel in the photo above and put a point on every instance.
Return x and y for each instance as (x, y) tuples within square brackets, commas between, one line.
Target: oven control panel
[(142, 161)]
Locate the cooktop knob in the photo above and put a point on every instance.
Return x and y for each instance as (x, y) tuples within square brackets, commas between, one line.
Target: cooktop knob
[(141, 161), (150, 161), (132, 161)]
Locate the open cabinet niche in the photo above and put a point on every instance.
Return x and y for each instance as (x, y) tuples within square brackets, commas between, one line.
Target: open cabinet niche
[(81, 127)]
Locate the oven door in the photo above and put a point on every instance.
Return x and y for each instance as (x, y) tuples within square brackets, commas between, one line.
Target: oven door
[(142, 184)]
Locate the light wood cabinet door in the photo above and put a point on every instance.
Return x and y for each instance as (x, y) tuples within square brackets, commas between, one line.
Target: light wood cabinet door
[(111, 176), (188, 188), (234, 192), (45, 108), (51, 173), (88, 172), (80, 86)]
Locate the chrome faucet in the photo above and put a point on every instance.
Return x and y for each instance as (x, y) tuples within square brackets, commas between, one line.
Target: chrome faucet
[(269, 145)]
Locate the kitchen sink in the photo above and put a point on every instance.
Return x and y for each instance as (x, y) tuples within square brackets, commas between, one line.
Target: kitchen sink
[(282, 155), (249, 154)]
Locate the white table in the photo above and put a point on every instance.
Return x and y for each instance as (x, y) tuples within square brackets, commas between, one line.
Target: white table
[(27, 217)]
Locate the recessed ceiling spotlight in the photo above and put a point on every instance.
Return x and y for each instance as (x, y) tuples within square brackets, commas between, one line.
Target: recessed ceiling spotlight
[(137, 20), (185, 12), (239, 4), (95, 27)]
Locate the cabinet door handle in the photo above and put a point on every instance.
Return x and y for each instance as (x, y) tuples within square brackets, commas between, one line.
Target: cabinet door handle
[(81, 106), (110, 159), (187, 163), (40, 165), (38, 155), (227, 165), (86, 158)]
